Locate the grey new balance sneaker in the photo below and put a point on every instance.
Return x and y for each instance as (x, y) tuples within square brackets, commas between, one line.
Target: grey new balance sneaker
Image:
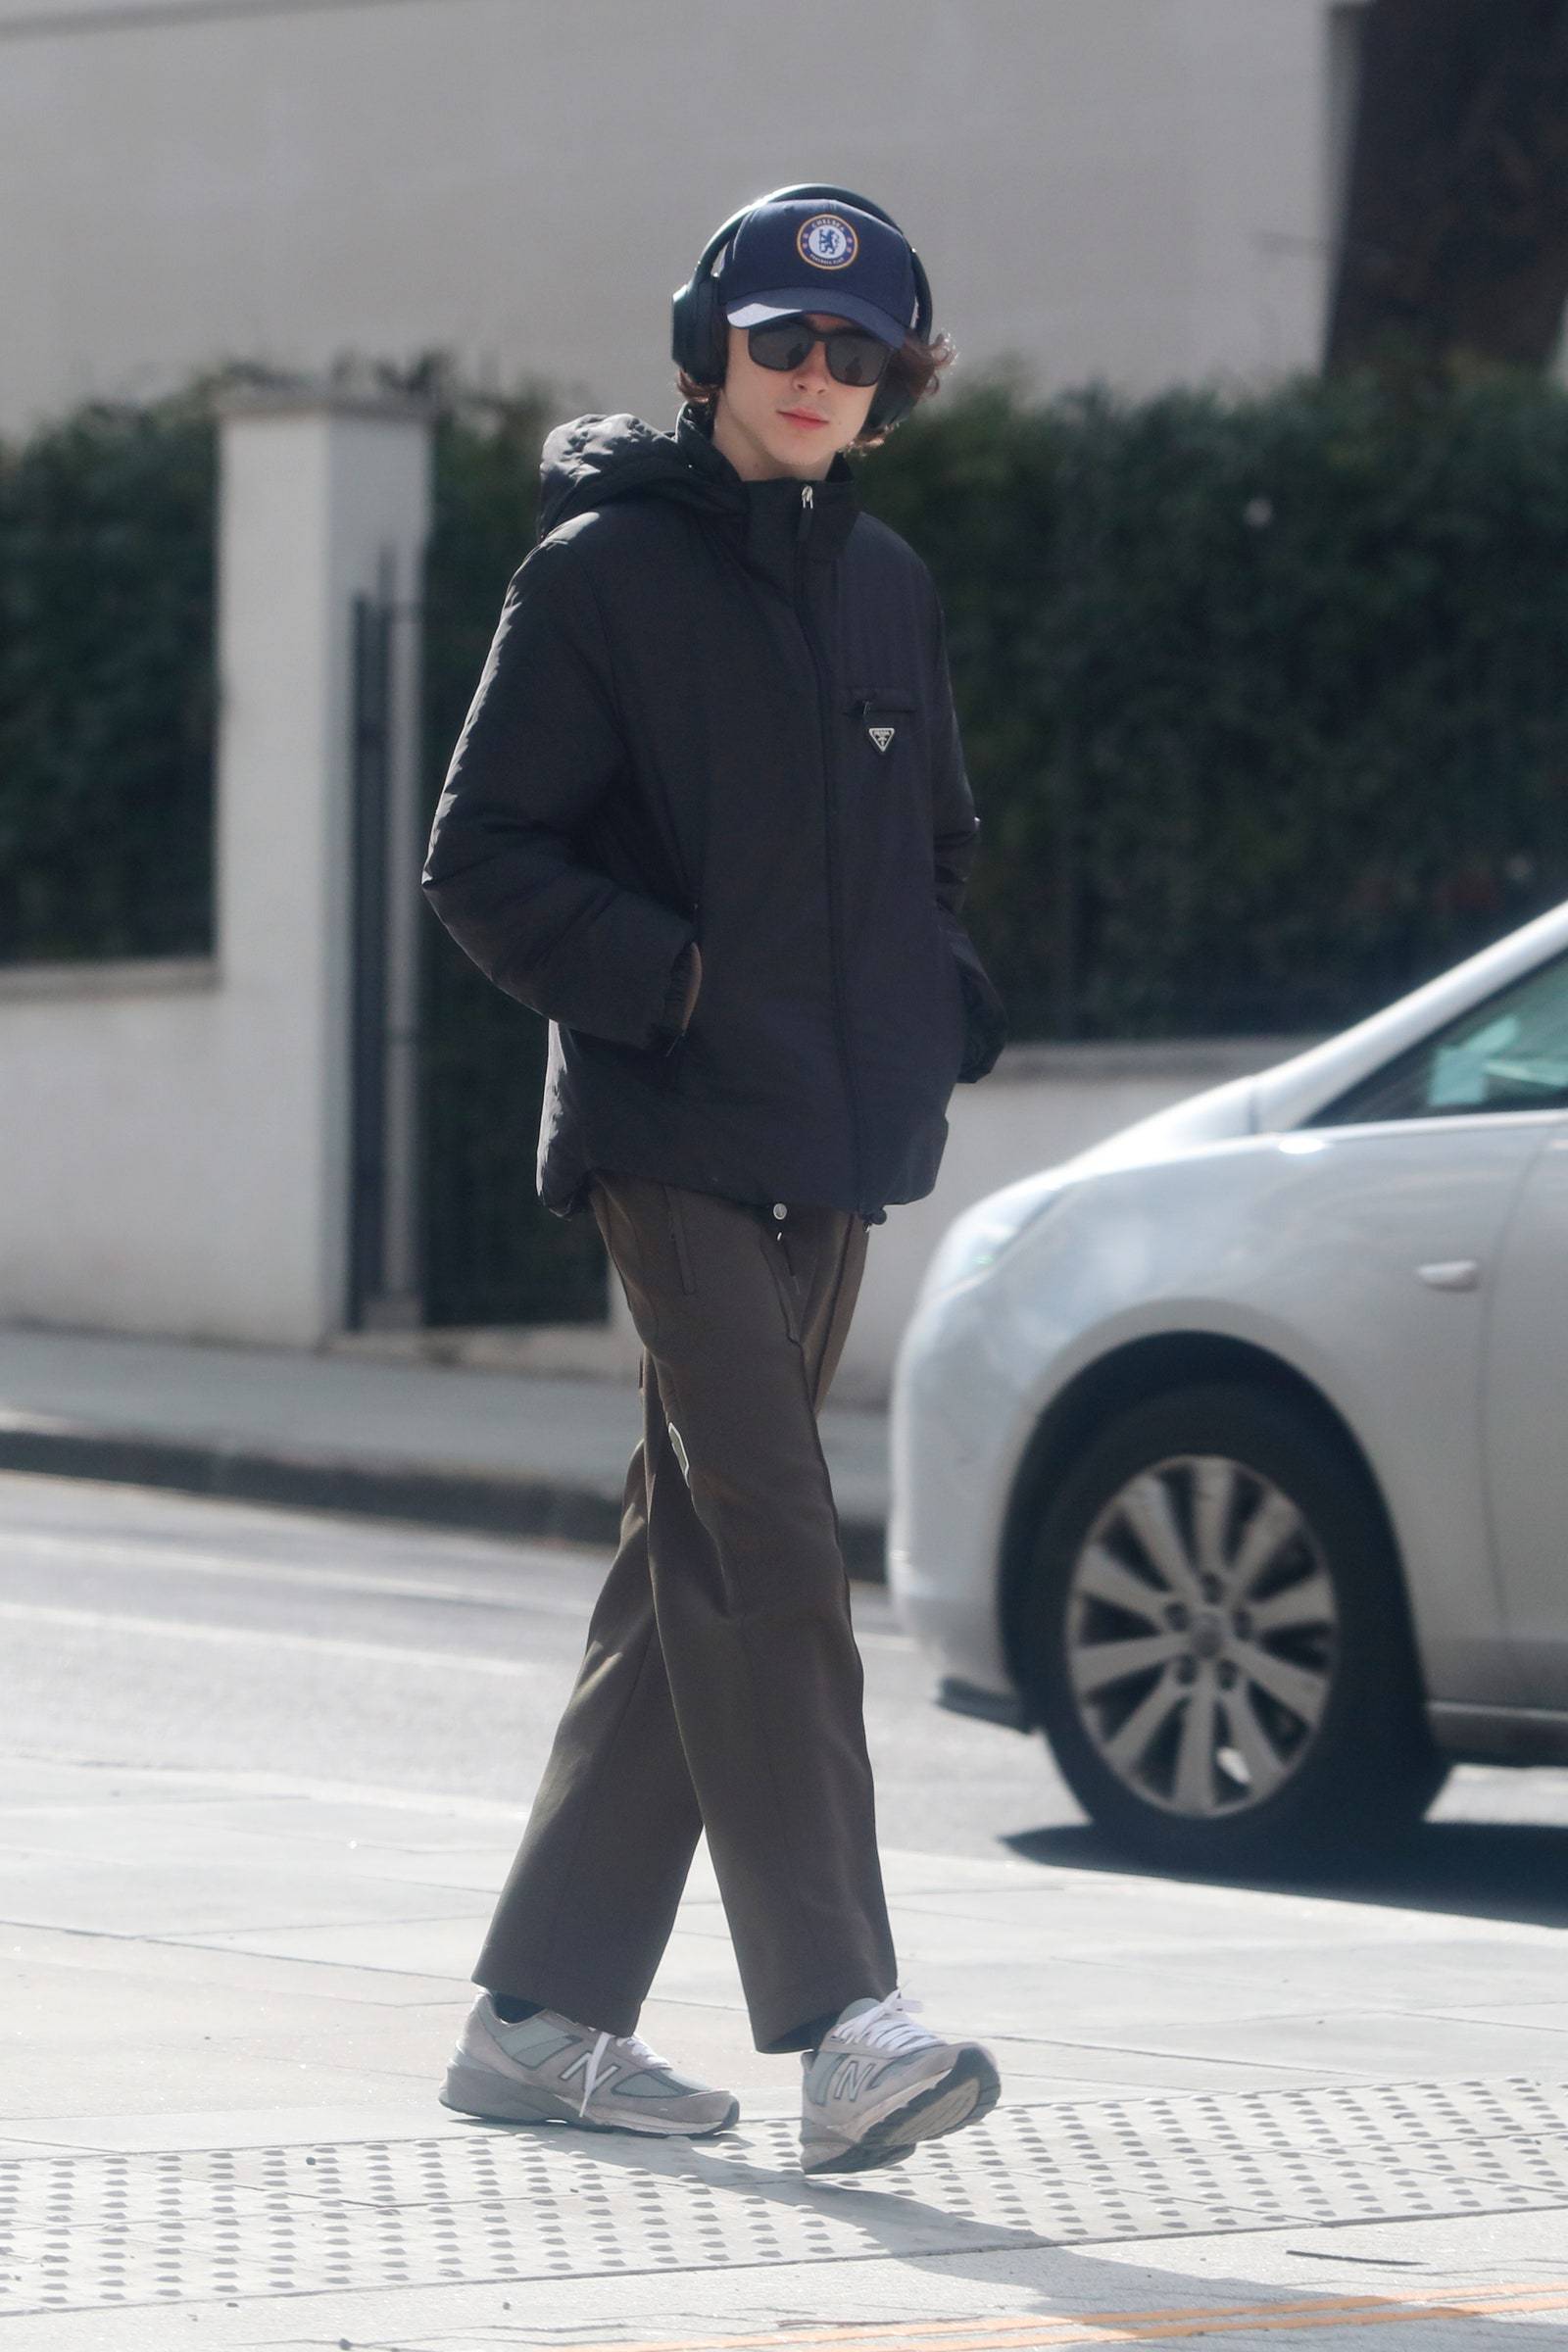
[(549, 2070), (879, 2084)]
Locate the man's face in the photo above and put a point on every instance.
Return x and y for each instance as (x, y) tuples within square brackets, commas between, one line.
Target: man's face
[(767, 422)]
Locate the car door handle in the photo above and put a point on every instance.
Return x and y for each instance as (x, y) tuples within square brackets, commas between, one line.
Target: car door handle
[(1452, 1274)]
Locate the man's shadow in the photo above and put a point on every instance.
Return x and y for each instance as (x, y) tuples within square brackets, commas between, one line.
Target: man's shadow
[(897, 2217)]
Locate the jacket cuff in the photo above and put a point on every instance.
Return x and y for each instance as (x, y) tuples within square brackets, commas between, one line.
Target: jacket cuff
[(986, 1024)]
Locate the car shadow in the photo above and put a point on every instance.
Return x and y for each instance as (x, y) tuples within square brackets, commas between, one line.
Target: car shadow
[(1476, 1869)]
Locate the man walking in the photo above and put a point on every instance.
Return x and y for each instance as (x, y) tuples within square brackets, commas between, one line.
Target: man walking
[(708, 815)]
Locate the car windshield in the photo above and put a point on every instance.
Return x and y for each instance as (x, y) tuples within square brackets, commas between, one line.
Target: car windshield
[(1509, 1053)]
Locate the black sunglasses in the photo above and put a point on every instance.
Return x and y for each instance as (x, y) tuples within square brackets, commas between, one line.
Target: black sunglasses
[(854, 356)]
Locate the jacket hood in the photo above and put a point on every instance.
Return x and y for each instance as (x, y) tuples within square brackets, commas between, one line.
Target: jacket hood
[(594, 459), (598, 460)]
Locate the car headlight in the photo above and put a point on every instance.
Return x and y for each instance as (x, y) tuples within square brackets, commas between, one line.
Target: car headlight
[(973, 1243)]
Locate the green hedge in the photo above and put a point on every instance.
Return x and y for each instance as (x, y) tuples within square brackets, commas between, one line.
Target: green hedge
[(1265, 702), (106, 684)]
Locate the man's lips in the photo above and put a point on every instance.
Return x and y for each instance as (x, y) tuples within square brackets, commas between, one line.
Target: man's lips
[(802, 416)]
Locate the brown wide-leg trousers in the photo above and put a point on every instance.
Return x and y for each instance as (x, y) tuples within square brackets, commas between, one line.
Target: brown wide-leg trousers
[(721, 1686)]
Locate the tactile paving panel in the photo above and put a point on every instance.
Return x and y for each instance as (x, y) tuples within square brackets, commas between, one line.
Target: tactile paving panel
[(87, 2230)]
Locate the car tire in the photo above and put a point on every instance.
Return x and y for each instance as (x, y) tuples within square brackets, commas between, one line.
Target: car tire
[(1216, 1641)]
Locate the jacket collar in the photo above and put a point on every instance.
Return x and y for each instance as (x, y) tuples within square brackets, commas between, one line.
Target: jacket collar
[(775, 520)]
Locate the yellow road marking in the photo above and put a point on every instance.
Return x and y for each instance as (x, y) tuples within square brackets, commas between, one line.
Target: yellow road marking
[(1038, 2331)]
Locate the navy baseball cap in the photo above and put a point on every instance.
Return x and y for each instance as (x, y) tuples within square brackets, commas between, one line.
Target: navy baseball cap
[(807, 255)]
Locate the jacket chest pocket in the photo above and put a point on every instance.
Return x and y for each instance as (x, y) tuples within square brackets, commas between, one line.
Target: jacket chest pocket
[(886, 721)]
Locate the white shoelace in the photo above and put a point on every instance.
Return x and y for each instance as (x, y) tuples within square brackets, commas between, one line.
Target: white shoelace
[(622, 2041), (887, 2026)]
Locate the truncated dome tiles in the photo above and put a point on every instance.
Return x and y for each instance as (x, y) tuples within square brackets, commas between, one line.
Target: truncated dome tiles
[(88, 2231)]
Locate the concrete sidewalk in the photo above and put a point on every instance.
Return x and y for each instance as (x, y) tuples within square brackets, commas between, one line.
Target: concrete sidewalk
[(225, 2002), (515, 1452)]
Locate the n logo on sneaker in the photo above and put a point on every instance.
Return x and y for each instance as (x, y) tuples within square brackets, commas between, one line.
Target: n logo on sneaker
[(852, 2074), (881, 736), (604, 2076)]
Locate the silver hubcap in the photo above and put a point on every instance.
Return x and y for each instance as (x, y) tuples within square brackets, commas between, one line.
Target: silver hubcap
[(1202, 1636)]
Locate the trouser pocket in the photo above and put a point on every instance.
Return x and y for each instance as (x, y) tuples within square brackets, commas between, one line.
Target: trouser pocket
[(786, 1281)]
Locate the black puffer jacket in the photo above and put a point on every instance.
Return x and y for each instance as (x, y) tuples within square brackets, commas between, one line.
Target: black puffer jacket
[(721, 710)]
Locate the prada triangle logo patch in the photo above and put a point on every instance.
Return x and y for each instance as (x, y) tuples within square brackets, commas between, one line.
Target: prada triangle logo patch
[(881, 736)]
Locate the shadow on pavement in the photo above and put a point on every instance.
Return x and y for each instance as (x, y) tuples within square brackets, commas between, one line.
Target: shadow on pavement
[(1484, 1869)]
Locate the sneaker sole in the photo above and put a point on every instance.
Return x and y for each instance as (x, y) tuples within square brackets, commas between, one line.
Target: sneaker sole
[(963, 2095), (495, 2099)]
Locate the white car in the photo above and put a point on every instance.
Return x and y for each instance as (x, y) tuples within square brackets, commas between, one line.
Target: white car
[(1232, 1454)]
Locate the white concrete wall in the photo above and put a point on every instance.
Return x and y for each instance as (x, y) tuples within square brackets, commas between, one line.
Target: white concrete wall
[(1138, 190), (174, 1153)]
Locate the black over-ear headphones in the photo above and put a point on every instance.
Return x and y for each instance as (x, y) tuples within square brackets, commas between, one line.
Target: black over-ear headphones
[(699, 331)]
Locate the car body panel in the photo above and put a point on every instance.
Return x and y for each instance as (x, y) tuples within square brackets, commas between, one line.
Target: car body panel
[(1525, 1392), (1307, 1246), (1393, 1266)]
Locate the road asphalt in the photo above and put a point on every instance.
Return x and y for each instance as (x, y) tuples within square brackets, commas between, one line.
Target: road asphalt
[(229, 1981)]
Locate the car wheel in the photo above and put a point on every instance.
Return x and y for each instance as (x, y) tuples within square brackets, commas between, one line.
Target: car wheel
[(1217, 1641)]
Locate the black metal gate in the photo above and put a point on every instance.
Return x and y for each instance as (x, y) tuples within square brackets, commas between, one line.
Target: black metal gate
[(482, 1250), (383, 1257)]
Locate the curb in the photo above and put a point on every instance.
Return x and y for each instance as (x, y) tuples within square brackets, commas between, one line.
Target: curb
[(428, 1494)]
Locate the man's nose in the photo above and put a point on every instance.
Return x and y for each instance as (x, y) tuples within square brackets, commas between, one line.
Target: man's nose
[(812, 369)]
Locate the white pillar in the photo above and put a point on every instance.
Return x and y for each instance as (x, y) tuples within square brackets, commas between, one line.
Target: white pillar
[(323, 495)]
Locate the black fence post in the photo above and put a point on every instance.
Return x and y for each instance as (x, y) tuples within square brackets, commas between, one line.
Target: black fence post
[(371, 767)]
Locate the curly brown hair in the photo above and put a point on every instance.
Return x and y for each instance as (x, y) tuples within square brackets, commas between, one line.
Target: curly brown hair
[(918, 366)]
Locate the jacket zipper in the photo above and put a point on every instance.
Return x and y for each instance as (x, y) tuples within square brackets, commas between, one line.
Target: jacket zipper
[(824, 709)]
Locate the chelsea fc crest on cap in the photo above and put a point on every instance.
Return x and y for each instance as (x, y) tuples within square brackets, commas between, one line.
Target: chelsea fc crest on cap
[(827, 241)]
